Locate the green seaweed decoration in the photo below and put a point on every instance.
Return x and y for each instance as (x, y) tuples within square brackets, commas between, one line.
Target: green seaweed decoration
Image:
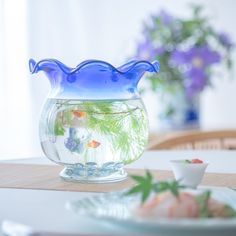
[(58, 128), (125, 125), (145, 185)]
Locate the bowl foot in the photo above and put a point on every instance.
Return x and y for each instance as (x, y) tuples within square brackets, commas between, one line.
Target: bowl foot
[(75, 174)]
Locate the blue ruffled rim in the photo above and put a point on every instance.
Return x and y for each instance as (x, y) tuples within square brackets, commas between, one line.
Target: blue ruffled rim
[(33, 66)]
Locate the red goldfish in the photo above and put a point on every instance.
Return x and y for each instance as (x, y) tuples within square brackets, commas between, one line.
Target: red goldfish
[(79, 114), (93, 144)]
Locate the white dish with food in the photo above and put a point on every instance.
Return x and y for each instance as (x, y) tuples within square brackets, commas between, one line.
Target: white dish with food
[(189, 172), (208, 212)]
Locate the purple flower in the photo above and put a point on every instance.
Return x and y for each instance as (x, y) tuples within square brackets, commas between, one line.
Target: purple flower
[(165, 17), (146, 51), (225, 40), (195, 81), (159, 51), (196, 60), (196, 57), (151, 26)]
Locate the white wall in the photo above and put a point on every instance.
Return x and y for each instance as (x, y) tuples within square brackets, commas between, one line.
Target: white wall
[(75, 30)]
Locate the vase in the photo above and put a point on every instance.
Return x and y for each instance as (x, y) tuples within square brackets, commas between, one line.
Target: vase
[(93, 121), (179, 111)]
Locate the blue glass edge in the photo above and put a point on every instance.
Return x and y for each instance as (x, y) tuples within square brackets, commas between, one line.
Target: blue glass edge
[(33, 66)]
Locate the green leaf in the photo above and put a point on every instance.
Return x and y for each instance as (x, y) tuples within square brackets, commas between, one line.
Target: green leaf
[(229, 63), (197, 9), (143, 187), (145, 194), (67, 116), (138, 178), (202, 201), (146, 185), (134, 190), (58, 128), (149, 175), (230, 212)]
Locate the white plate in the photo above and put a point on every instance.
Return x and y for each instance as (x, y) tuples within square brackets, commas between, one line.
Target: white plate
[(115, 208)]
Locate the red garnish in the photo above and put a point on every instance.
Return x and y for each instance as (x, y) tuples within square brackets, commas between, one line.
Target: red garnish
[(196, 161)]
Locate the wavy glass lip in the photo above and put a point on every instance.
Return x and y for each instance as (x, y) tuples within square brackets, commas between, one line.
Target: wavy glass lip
[(127, 67), (93, 79)]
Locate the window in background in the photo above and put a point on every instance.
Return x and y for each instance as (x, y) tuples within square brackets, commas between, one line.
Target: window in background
[(15, 101)]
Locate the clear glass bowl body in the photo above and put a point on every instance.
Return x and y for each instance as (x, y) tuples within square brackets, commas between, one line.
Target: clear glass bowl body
[(93, 121)]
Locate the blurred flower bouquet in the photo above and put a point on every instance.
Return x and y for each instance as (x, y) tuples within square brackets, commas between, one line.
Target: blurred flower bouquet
[(187, 50)]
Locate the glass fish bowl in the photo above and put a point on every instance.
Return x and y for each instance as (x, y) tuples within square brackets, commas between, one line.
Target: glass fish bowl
[(93, 121)]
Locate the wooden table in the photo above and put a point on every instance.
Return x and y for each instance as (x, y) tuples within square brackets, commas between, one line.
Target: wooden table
[(45, 209)]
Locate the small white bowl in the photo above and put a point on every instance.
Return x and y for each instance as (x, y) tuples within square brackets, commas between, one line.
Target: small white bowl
[(189, 174)]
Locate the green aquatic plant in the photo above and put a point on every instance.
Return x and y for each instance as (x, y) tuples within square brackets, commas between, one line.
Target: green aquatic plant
[(123, 124)]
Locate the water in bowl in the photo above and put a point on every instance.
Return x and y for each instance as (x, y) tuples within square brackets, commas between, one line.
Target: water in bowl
[(96, 137)]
